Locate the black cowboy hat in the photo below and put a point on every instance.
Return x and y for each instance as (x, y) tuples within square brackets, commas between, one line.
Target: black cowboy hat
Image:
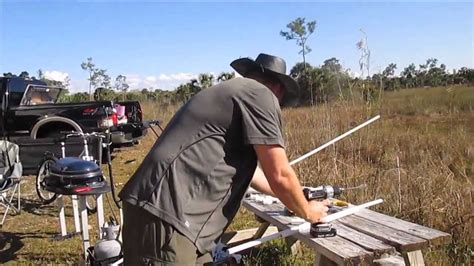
[(275, 67)]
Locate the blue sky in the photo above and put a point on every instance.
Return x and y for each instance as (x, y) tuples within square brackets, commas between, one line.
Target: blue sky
[(162, 44)]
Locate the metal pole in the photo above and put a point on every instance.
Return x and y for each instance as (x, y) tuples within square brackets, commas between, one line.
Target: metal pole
[(333, 141)]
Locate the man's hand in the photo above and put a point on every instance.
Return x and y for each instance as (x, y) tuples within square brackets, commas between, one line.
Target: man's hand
[(284, 184), (318, 210)]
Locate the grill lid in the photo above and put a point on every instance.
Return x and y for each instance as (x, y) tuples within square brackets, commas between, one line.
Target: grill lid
[(74, 176), (75, 166)]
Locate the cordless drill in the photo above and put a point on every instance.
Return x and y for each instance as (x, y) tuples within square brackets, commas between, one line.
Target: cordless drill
[(322, 192), (321, 230)]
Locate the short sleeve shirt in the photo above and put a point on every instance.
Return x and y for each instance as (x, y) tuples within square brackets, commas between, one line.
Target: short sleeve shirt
[(197, 172)]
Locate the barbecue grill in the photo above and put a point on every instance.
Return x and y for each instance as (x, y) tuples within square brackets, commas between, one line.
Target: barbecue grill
[(74, 176)]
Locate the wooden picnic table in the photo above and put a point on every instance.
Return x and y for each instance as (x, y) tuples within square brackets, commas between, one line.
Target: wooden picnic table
[(365, 237)]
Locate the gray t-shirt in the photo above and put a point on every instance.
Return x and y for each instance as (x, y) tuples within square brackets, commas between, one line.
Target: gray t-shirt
[(197, 172)]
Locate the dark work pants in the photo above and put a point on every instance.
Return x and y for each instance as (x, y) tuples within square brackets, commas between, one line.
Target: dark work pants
[(147, 240)]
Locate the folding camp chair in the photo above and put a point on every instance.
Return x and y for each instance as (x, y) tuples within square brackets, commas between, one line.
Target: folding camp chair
[(10, 173)]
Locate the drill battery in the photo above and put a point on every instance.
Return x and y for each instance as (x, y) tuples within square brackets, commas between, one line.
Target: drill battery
[(322, 230)]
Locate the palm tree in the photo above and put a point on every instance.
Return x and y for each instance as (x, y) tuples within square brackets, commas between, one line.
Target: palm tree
[(206, 80), (225, 76)]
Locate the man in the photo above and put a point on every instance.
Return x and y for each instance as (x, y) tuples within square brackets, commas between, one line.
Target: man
[(190, 185)]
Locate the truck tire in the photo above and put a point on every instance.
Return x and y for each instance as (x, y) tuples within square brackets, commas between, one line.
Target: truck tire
[(45, 196)]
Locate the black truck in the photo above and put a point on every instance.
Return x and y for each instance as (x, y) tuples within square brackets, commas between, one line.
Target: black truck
[(30, 111)]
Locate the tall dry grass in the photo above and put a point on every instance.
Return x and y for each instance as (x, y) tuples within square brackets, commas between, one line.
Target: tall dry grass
[(418, 157)]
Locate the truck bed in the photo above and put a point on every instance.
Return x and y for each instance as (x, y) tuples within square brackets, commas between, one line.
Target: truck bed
[(32, 151)]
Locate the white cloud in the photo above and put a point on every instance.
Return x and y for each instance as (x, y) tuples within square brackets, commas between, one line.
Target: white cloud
[(56, 75), (78, 85), (177, 77), (133, 80), (161, 81), (151, 79), (353, 74), (136, 81), (164, 77)]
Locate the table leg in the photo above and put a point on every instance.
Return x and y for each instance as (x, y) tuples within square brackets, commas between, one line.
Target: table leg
[(261, 230), (389, 260), (84, 224), (62, 217), (293, 243), (414, 258)]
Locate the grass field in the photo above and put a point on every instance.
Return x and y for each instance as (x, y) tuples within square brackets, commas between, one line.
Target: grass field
[(419, 157)]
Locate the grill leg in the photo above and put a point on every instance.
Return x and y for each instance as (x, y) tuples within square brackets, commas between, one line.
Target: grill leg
[(62, 217), (84, 224), (100, 214), (75, 210)]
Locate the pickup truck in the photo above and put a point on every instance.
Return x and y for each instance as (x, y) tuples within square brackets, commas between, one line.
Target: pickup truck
[(30, 108), (32, 118)]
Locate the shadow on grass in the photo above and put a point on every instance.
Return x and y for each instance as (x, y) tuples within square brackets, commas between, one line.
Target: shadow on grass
[(37, 208), (12, 242)]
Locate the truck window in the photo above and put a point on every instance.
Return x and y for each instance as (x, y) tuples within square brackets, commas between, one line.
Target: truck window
[(16, 87), (37, 94)]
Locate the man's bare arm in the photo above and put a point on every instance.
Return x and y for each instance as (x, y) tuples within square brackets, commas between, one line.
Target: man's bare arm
[(284, 183), (260, 182)]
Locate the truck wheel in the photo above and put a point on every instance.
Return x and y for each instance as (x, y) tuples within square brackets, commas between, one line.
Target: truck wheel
[(45, 196)]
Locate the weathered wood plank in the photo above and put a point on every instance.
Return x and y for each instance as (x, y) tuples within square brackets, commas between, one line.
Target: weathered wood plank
[(338, 249), (434, 237), (274, 212), (402, 241), (363, 240)]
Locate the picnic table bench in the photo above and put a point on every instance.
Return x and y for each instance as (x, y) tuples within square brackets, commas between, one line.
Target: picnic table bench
[(366, 237)]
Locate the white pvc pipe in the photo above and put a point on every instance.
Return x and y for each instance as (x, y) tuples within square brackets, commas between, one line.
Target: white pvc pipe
[(244, 246), (119, 262), (303, 227), (334, 140), (349, 211)]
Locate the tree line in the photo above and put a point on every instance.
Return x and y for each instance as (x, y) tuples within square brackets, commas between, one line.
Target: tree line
[(318, 84), (331, 80), (322, 83)]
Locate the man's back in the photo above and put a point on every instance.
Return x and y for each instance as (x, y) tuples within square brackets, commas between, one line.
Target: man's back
[(198, 171)]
